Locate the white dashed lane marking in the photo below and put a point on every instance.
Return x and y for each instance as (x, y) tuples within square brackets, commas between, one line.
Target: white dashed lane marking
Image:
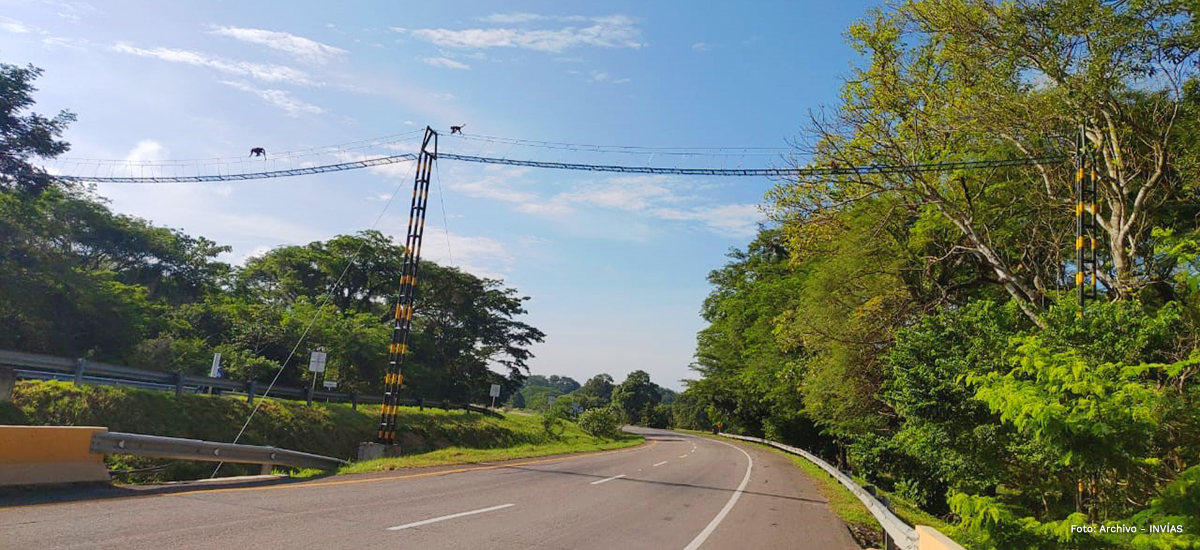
[(451, 516), (607, 479)]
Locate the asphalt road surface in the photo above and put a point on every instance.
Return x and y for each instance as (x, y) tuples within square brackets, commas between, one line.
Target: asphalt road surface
[(675, 492)]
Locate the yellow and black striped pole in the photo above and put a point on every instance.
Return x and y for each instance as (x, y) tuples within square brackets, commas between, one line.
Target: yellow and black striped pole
[(402, 315), (1080, 168), (1086, 261)]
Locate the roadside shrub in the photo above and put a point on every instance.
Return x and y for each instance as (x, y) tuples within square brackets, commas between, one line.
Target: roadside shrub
[(601, 422)]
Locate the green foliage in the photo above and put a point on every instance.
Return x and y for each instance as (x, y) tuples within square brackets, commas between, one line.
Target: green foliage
[(554, 421), (26, 136), (637, 398), (563, 384), (432, 436), (599, 388), (601, 422)]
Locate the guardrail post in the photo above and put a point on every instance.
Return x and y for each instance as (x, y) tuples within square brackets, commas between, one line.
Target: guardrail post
[(354, 401), (79, 366), (420, 403), (250, 392), (308, 394), (888, 542), (178, 384), (8, 379)]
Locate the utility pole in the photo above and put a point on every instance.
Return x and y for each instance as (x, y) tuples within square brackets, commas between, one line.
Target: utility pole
[(1085, 232), (393, 378)]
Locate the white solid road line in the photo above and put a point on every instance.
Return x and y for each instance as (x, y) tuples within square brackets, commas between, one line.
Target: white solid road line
[(444, 518), (712, 525), (607, 479), (661, 463), (682, 456)]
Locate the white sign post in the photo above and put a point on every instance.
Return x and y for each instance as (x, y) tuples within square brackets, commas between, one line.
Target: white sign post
[(494, 392), (215, 371), (316, 364)]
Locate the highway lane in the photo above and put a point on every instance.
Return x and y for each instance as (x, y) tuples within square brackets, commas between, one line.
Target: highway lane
[(678, 491)]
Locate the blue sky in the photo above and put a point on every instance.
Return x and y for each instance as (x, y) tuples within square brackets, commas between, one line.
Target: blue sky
[(615, 264)]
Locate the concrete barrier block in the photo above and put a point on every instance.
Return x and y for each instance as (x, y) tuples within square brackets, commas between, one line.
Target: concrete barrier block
[(929, 538), (31, 455)]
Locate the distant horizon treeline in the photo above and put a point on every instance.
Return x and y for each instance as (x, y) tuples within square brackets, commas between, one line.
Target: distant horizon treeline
[(639, 400)]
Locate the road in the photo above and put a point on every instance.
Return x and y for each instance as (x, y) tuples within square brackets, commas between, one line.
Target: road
[(677, 491)]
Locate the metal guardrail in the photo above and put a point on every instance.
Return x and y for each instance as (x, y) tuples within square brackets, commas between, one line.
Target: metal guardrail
[(195, 449), (37, 366), (902, 534)]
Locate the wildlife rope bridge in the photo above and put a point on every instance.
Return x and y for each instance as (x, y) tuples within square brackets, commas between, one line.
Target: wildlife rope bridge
[(396, 149)]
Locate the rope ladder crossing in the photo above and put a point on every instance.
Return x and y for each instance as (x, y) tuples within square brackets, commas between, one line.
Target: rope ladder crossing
[(1085, 191)]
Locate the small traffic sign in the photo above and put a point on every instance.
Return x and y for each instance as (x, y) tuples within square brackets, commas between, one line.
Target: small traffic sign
[(316, 363)]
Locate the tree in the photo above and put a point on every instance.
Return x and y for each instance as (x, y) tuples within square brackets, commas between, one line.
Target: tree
[(952, 80), (562, 384), (288, 272), (599, 387), (636, 397), (25, 137)]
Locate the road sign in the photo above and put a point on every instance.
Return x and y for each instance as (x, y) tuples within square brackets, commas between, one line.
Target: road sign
[(550, 400), (495, 391), (316, 363), (329, 384)]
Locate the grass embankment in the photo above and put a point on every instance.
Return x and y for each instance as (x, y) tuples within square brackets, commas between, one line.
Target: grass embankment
[(846, 505), (429, 437)]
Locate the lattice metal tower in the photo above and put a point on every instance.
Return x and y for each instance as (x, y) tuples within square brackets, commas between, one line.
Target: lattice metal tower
[(1085, 220), (393, 378)]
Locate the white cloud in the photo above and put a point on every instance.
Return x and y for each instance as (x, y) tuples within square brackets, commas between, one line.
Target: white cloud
[(15, 27), (598, 76), (257, 71), (629, 193), (304, 49), (700, 47), (481, 256), (613, 31), (409, 123), (400, 30), (445, 62), (72, 11), (552, 209), (52, 42), (511, 18), (620, 81), (278, 98), (147, 150), (739, 219)]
